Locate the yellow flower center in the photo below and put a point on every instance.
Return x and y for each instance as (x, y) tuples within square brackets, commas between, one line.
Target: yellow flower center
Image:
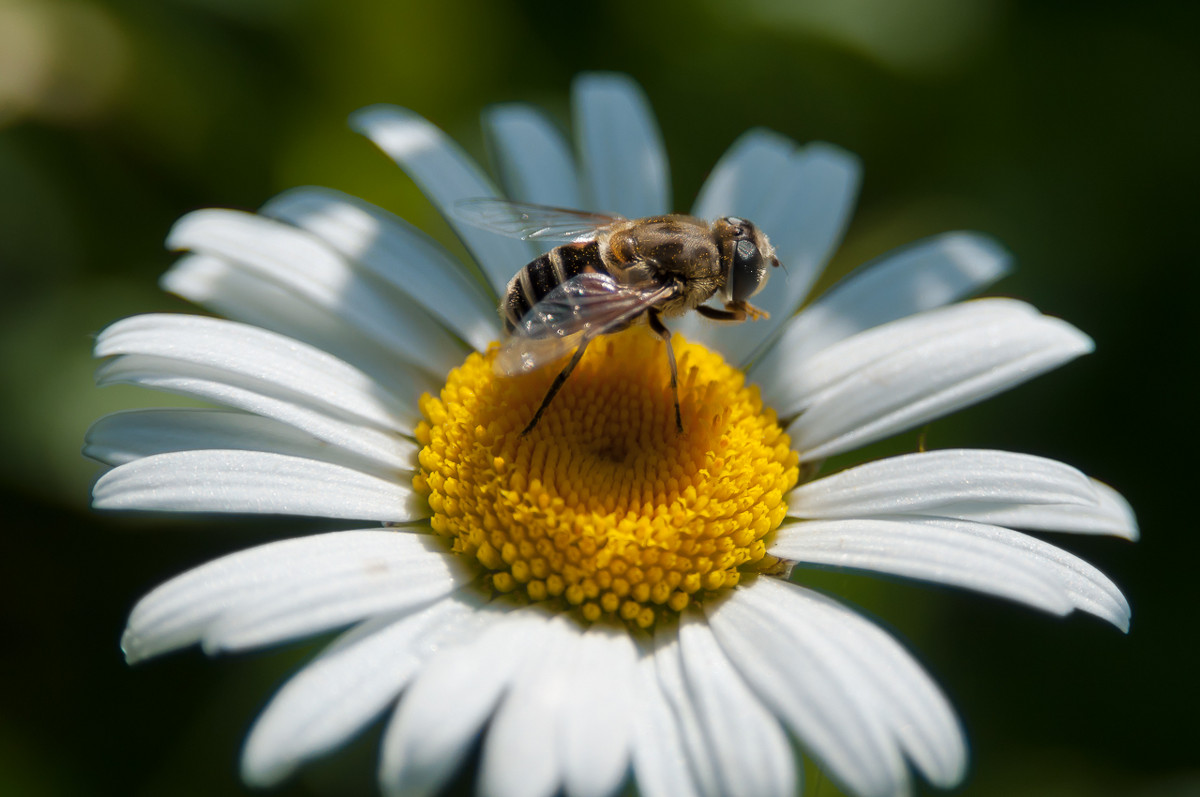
[(603, 506)]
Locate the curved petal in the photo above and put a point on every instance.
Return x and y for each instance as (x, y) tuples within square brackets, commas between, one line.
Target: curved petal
[(927, 369), (123, 437), (988, 559), (344, 689), (256, 482), (739, 185), (923, 276), (805, 219), (1089, 589), (804, 211), (522, 752), (532, 156), (302, 264), (799, 382), (887, 683), (801, 672), (393, 251), (594, 722), (424, 743), (623, 161), (669, 680), (660, 760), (744, 176), (445, 174), (996, 487), (752, 754), (385, 449), (994, 566), (925, 482), (230, 291), (1111, 515), (183, 610), (293, 369), (335, 600)]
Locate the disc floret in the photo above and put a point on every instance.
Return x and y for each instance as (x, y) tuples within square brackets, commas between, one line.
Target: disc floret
[(603, 506)]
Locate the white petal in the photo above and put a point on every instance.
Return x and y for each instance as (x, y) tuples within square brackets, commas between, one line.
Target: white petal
[(996, 487), (254, 481), (594, 720), (290, 367), (804, 213), (392, 250), (335, 600), (669, 679), (230, 291), (302, 264), (1111, 515), (660, 760), (337, 694), (532, 156), (805, 219), (621, 150), (445, 174), (179, 612), (946, 367), (988, 559), (122, 437), (262, 373), (744, 176), (739, 185), (424, 743), (884, 677), (923, 276), (798, 382), (387, 450), (801, 672), (752, 755), (925, 483), (522, 751), (994, 564), (1088, 589)]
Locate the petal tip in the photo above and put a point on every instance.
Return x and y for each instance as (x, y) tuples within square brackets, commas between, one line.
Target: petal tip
[(366, 119), (980, 251), (836, 157), (132, 648), (617, 82)]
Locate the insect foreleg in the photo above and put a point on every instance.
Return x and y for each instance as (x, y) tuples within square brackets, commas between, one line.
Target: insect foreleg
[(661, 330), (556, 385), (734, 311)]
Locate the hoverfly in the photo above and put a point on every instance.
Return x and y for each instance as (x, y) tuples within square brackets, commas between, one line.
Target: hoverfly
[(612, 272)]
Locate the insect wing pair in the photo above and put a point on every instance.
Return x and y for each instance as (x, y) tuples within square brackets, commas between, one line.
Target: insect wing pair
[(576, 310)]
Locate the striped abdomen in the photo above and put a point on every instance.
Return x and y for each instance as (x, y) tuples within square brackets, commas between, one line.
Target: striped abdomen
[(532, 283)]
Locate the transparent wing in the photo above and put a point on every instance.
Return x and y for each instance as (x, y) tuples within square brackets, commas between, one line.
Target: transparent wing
[(582, 307), (530, 222)]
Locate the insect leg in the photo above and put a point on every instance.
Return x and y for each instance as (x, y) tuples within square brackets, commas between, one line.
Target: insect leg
[(734, 311), (720, 315), (556, 385), (661, 330)]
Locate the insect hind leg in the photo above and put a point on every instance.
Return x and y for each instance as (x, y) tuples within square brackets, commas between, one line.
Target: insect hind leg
[(661, 330), (556, 385)]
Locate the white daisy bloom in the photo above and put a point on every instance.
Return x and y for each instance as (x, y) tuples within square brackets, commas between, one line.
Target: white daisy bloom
[(602, 599)]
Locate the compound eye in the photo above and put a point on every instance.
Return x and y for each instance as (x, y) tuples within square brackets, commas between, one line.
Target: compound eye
[(746, 272)]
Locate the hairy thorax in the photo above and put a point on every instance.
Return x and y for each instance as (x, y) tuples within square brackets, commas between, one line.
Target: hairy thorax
[(663, 248)]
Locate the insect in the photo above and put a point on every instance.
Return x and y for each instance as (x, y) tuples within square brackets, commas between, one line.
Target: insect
[(611, 272)]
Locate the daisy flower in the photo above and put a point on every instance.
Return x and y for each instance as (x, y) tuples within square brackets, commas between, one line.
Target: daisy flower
[(603, 599)]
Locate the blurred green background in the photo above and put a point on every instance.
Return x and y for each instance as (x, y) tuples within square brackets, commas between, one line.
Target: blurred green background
[(1066, 129)]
